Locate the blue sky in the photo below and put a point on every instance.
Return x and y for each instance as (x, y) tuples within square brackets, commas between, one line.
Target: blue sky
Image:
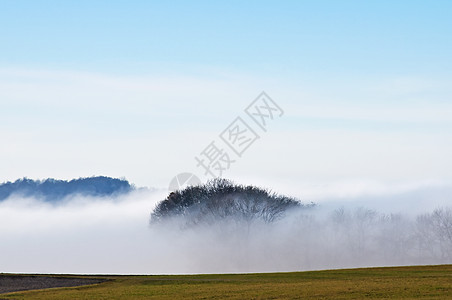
[(116, 87), (346, 37)]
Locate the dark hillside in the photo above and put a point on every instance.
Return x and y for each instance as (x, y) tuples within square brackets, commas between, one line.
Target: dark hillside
[(54, 190)]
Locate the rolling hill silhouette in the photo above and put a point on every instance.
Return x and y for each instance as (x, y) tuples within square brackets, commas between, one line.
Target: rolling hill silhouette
[(54, 190)]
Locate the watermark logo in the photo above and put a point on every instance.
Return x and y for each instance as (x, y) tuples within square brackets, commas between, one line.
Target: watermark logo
[(263, 110), (239, 136), (215, 159), (182, 181)]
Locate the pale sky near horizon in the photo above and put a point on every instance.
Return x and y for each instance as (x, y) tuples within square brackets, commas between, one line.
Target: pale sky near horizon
[(137, 89)]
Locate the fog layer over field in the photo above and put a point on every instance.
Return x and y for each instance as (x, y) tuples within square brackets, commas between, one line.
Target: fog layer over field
[(113, 235)]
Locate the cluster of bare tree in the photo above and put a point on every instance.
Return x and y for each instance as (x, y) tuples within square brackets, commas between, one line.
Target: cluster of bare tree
[(367, 237), (252, 229), (434, 233), (220, 200)]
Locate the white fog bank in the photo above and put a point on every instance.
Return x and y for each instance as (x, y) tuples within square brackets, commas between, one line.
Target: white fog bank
[(113, 236)]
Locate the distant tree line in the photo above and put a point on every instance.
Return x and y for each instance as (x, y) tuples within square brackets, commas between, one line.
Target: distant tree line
[(54, 190), (220, 199), (369, 237)]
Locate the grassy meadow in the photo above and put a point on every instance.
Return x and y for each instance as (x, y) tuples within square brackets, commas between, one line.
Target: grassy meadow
[(418, 282)]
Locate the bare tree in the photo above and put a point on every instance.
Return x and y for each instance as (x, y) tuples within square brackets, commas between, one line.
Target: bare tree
[(220, 199)]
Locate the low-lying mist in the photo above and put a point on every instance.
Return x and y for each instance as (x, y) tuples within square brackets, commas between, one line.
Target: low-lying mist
[(92, 235)]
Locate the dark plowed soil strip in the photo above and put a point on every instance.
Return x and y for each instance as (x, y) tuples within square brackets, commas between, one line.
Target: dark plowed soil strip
[(12, 283)]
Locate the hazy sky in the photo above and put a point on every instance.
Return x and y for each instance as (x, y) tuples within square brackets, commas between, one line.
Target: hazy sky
[(139, 88)]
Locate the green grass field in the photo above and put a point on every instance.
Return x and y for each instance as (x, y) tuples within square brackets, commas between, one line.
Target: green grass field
[(426, 282)]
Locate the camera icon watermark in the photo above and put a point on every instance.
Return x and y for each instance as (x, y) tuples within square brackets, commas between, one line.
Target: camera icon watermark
[(183, 180)]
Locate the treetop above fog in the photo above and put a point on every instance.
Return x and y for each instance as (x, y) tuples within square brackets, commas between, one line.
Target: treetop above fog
[(221, 199)]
